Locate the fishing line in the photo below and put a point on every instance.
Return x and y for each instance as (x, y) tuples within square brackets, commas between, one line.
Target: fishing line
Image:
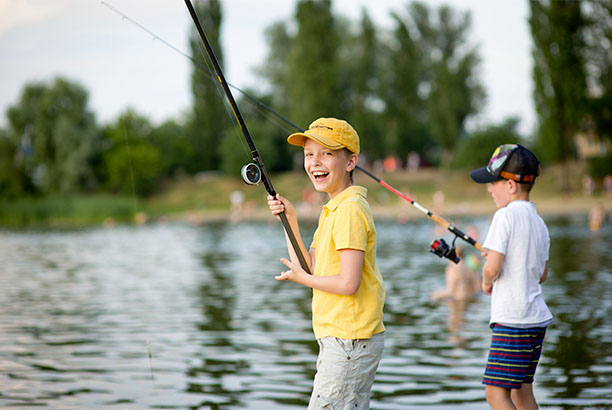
[(219, 90), (206, 70), (260, 106), (127, 144), (150, 361)]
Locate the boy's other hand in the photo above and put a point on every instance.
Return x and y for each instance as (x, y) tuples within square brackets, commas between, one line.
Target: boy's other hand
[(487, 288), (293, 273)]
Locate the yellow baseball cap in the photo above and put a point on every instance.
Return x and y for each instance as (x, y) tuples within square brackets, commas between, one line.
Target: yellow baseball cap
[(332, 133)]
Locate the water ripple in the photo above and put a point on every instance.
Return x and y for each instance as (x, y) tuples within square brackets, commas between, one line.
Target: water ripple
[(174, 316)]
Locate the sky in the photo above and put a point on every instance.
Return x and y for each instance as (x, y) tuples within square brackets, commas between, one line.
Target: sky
[(121, 65)]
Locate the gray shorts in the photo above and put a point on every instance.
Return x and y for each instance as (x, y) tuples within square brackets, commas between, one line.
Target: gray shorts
[(345, 372)]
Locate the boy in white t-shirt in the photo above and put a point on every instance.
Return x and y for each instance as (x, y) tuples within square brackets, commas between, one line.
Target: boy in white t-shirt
[(516, 264)]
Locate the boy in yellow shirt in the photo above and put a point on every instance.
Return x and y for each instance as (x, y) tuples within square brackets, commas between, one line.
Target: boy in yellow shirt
[(348, 289)]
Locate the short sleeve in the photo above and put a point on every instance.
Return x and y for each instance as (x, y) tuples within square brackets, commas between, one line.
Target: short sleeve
[(499, 232), (313, 244), (351, 228), (547, 241)]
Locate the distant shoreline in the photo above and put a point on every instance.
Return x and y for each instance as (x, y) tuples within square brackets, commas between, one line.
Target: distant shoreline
[(403, 212), (217, 198)]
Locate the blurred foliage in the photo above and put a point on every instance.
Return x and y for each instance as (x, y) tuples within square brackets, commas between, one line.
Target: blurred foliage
[(13, 180), (599, 167), (572, 74), (598, 59), (559, 76), (62, 211), (451, 63), (209, 117), (174, 145), (131, 164), (269, 137), (475, 151), (408, 90), (405, 109), (360, 80), (51, 139), (312, 63)]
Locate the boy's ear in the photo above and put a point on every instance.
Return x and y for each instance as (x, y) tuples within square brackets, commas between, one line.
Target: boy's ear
[(352, 162), (512, 186)]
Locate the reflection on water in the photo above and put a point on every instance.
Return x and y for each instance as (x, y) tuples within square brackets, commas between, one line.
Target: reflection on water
[(77, 309)]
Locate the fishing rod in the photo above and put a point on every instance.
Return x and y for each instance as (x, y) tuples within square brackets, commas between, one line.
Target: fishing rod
[(249, 172), (254, 172)]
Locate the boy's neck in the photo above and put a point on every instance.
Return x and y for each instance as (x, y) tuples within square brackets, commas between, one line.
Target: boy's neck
[(519, 196), (332, 195)]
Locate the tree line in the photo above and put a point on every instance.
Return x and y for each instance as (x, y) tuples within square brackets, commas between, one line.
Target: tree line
[(406, 88)]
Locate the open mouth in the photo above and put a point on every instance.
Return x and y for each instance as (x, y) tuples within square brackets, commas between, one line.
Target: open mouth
[(319, 175)]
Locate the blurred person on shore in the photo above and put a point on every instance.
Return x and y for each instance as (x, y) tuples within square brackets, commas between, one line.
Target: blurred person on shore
[(597, 217), (588, 185), (607, 185)]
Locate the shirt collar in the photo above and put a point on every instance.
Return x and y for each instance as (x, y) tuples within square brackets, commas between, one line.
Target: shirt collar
[(350, 191)]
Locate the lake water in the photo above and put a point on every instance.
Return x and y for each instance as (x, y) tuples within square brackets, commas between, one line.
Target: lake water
[(180, 317)]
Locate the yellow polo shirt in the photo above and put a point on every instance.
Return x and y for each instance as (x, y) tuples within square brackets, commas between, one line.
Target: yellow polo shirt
[(346, 223)]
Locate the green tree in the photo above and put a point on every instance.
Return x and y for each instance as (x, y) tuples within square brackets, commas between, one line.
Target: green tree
[(452, 87), (360, 69), (598, 56), (311, 76), (210, 117), (476, 149), (312, 72), (171, 140), (54, 135), (559, 77), (13, 180), (405, 109), (131, 163), (274, 70), (268, 133)]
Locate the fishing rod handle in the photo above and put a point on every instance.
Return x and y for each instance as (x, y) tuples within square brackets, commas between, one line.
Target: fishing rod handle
[(292, 239), (294, 242), (457, 232)]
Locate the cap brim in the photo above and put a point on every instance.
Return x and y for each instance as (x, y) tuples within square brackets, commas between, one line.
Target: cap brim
[(299, 139), (482, 176)]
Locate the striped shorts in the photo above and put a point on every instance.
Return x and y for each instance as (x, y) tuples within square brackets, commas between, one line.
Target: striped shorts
[(514, 356)]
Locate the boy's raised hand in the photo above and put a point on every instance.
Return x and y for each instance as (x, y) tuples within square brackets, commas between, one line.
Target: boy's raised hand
[(280, 204)]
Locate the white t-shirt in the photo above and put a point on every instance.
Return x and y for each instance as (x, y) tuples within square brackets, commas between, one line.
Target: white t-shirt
[(520, 234)]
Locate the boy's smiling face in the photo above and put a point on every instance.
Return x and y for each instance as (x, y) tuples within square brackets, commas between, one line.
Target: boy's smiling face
[(328, 169)]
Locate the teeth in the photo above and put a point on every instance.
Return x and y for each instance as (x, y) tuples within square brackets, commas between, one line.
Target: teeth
[(319, 173)]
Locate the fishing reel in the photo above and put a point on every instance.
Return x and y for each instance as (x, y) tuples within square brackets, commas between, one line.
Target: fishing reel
[(440, 247), (251, 174)]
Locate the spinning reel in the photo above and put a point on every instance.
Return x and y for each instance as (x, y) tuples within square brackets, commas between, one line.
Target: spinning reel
[(440, 247), (251, 173)]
